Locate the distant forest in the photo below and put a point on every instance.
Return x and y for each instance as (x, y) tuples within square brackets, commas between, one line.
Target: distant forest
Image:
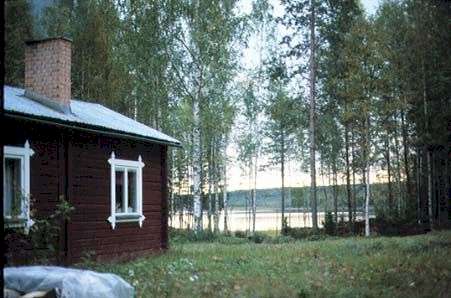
[(296, 198)]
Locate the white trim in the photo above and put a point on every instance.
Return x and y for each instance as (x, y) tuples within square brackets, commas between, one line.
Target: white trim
[(125, 192), (125, 216), (23, 154)]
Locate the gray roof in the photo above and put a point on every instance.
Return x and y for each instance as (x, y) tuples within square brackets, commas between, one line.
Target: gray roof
[(83, 114)]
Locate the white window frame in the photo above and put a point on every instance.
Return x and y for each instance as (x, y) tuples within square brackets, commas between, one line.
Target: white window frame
[(136, 166), (23, 154)]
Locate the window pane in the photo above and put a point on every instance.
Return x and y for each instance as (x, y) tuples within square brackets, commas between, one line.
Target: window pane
[(132, 191), (119, 191), (12, 187)]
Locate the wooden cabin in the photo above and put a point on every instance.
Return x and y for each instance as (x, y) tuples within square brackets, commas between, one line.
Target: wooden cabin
[(110, 168)]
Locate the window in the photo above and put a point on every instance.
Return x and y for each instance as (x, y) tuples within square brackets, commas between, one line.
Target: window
[(16, 186), (126, 191)]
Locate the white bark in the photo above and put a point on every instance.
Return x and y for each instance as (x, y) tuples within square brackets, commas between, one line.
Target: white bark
[(216, 191), (254, 196), (226, 228), (429, 171), (428, 154), (172, 210), (210, 202), (196, 168), (367, 201), (312, 118), (210, 182), (368, 174), (216, 214)]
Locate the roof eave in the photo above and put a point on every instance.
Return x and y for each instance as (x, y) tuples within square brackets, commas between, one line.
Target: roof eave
[(90, 128)]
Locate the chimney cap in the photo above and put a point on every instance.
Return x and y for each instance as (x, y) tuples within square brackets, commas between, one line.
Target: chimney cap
[(34, 41)]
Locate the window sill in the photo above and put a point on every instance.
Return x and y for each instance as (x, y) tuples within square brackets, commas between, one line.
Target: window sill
[(126, 217), (18, 222)]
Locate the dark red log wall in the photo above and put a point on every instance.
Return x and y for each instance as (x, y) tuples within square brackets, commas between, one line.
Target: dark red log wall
[(74, 164), (89, 231)]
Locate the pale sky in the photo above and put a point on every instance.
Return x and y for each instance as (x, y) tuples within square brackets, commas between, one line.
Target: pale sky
[(271, 178), (370, 5)]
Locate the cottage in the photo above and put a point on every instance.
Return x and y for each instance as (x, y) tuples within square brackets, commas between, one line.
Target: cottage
[(110, 168)]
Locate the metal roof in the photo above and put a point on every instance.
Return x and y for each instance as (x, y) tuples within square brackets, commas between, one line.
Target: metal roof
[(83, 114)]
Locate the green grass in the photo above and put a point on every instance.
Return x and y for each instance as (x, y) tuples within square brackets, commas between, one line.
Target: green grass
[(417, 266)]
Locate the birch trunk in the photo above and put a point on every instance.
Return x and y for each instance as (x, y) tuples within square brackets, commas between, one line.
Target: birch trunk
[(354, 192), (197, 161), (406, 155), (216, 214), (249, 200), (418, 186), (367, 201), (335, 192), (367, 182), (312, 118), (171, 188), (401, 193), (210, 202), (429, 173), (282, 164), (254, 196), (428, 154), (348, 176), (226, 228), (389, 184), (216, 191), (210, 208)]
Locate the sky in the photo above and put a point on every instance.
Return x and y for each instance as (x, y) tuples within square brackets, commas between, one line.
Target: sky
[(370, 5), (271, 177)]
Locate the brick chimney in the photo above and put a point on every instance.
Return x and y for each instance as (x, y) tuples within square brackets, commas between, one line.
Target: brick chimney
[(47, 72)]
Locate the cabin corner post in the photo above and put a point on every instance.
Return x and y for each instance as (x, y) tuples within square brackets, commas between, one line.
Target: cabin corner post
[(26, 168), (69, 167), (140, 191), (112, 217), (62, 195), (164, 198)]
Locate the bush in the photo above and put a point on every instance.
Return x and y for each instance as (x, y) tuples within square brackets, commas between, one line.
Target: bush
[(285, 226), (299, 233), (42, 244), (330, 226), (240, 234), (316, 237), (228, 239), (395, 226), (258, 237), (205, 236), (281, 239), (182, 236)]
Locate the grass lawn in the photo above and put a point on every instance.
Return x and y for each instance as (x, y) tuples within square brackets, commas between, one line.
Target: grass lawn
[(416, 266)]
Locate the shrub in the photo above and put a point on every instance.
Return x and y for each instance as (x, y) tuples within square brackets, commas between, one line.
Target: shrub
[(393, 226), (240, 234), (316, 237), (182, 236), (227, 239), (206, 236), (285, 226), (42, 244), (281, 239), (258, 237), (329, 224), (299, 233)]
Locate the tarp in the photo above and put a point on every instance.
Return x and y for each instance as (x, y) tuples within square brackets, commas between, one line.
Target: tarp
[(68, 282)]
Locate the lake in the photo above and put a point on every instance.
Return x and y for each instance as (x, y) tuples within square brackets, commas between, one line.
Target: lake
[(239, 220)]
